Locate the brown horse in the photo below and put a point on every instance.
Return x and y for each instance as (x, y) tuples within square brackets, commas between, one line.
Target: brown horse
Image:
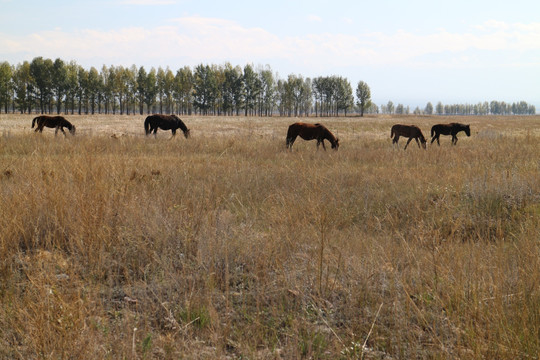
[(311, 132), (165, 122), (409, 131), (449, 129), (58, 122)]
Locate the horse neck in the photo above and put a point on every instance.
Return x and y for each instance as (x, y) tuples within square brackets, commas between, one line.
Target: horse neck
[(329, 136), (182, 126), (180, 123)]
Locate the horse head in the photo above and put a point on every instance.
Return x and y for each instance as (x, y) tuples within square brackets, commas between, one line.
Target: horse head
[(467, 129), (335, 145), (72, 130), (187, 133), (423, 141)]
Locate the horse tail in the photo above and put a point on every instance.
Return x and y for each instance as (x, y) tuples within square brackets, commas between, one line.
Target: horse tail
[(433, 131), (147, 125), (34, 121), (392, 132), (290, 131)]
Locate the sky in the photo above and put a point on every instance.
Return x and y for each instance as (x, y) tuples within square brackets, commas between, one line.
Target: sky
[(408, 52)]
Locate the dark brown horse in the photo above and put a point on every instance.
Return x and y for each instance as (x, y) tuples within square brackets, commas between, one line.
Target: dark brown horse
[(408, 131), (311, 132), (58, 122), (448, 129), (164, 122)]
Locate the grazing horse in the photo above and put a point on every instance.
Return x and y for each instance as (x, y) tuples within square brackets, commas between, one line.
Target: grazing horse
[(165, 122), (448, 129), (311, 132), (58, 122), (409, 131)]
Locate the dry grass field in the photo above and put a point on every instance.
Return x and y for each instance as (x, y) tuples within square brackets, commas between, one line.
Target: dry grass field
[(227, 246)]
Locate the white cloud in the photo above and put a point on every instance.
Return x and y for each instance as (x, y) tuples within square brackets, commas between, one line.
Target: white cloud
[(211, 40)]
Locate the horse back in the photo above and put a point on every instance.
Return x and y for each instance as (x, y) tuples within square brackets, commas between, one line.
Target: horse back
[(404, 130), (443, 129), (457, 127), (305, 131), (162, 121)]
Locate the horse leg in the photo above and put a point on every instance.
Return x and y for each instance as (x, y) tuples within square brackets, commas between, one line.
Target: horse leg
[(454, 139), (395, 141), (417, 142), (290, 142), (322, 142), (435, 137), (62, 129), (407, 144)]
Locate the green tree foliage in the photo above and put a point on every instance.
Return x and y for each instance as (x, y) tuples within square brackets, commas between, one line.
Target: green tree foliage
[(251, 89), (344, 96), (428, 109), (46, 86), (267, 95), (95, 86), (332, 95), (22, 81), (82, 89), (439, 108), (390, 107), (204, 88), (231, 89), (6, 85), (41, 72), (59, 83), (363, 94), (72, 84), (183, 90), (151, 90)]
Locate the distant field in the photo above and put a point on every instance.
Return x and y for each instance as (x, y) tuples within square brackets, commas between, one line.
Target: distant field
[(225, 245), (347, 128)]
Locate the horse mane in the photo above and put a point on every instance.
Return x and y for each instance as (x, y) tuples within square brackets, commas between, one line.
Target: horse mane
[(69, 125), (328, 135), (181, 124), (327, 132)]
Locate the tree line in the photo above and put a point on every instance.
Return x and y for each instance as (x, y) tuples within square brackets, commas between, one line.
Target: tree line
[(47, 86), (481, 108)]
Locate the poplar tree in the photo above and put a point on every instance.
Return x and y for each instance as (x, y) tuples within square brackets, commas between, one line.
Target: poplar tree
[(22, 81), (6, 85), (59, 82), (363, 93)]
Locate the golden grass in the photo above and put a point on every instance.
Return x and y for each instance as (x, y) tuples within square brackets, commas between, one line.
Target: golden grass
[(227, 246)]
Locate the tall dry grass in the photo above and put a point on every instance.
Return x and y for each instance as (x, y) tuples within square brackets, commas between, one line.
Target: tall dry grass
[(227, 246)]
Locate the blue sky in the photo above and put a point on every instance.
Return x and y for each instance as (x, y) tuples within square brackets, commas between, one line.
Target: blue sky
[(409, 52)]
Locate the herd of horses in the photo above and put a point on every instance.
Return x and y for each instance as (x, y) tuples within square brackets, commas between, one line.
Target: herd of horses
[(306, 131)]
